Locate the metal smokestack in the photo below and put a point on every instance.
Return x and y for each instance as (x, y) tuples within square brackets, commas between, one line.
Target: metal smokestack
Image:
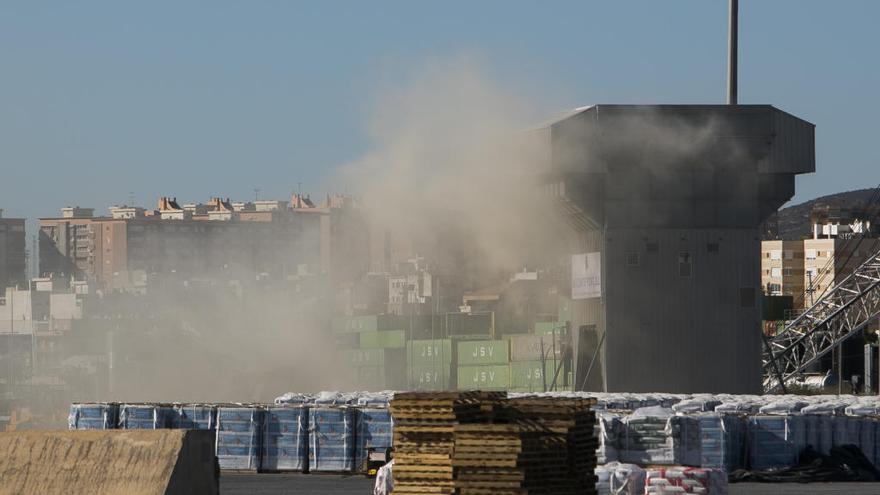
[(732, 42)]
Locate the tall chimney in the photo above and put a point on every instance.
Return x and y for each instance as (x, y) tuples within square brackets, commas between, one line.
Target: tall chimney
[(732, 42)]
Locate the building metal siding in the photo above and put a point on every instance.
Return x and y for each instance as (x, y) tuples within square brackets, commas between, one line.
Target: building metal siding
[(682, 334)]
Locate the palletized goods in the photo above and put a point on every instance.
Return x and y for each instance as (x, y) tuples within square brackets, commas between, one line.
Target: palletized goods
[(481, 443), (93, 416), (239, 437), (373, 430), (685, 480), (194, 416), (144, 416), (285, 438), (775, 441), (331, 438)]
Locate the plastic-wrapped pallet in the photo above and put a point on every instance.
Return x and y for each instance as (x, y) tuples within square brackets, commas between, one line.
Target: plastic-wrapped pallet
[(864, 409), (603, 479), (294, 399), (239, 437), (722, 441), (144, 416), (620, 479), (687, 439), (702, 403), (647, 437), (775, 441), (374, 429), (686, 480), (819, 427), (375, 399), (332, 398), (786, 406), (93, 416), (331, 438), (194, 417), (736, 406), (608, 428), (846, 430), (285, 437), (868, 439)]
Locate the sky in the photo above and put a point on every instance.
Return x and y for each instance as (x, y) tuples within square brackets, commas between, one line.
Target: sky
[(110, 102)]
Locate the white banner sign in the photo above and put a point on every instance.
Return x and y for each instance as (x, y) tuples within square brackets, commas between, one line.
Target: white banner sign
[(586, 276)]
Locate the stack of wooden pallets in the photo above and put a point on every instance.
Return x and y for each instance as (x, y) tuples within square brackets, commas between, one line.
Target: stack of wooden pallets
[(424, 427), (510, 447)]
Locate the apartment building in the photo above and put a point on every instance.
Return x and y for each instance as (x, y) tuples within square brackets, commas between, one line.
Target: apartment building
[(12, 251), (218, 239), (807, 268), (782, 268)]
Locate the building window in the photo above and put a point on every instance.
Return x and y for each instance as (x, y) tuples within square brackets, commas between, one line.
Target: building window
[(652, 247), (787, 272), (811, 254), (776, 254), (684, 264), (776, 272), (713, 247), (632, 259)]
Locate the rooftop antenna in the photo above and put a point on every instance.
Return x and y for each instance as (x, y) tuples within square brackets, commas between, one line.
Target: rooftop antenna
[(256, 194), (732, 44)]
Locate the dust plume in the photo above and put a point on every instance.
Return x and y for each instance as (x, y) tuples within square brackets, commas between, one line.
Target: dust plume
[(453, 172)]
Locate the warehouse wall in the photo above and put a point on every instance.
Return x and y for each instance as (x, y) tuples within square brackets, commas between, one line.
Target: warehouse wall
[(678, 328)]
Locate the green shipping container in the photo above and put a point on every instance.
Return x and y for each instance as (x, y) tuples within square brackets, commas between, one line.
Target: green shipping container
[(529, 347), (526, 376), (481, 352), (550, 327), (371, 378), (364, 324), (363, 357), (393, 339), (484, 377), (346, 324), (429, 352), (432, 378)]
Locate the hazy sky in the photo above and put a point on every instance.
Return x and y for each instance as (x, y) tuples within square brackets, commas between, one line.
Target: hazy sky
[(103, 101)]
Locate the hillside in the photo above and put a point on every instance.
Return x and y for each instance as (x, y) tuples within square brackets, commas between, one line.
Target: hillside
[(794, 221)]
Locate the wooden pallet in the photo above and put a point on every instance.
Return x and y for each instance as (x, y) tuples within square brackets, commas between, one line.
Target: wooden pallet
[(481, 443)]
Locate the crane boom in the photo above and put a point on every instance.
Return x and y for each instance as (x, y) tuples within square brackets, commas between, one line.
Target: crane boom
[(842, 311)]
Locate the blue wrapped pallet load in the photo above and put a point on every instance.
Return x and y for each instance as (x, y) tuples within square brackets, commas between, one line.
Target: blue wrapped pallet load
[(239, 436), (144, 416), (93, 416), (374, 430), (722, 441), (285, 437), (194, 417), (775, 441), (331, 439)]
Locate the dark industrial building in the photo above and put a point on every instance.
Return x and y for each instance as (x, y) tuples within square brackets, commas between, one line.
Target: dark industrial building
[(672, 198)]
